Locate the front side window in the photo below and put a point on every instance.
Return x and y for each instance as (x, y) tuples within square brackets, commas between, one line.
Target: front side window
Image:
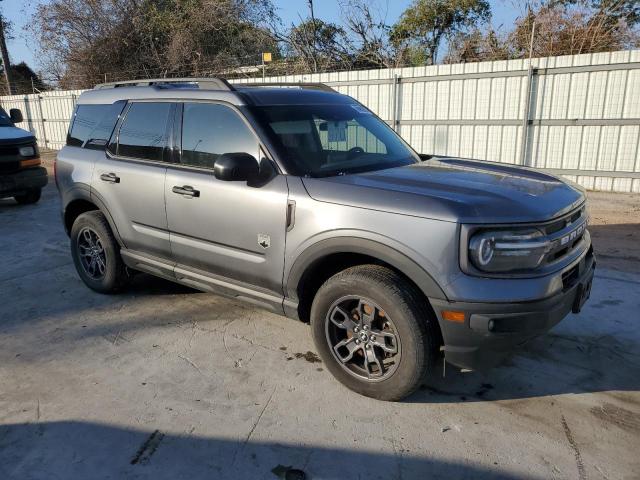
[(327, 140), (210, 130), (143, 133), (93, 124)]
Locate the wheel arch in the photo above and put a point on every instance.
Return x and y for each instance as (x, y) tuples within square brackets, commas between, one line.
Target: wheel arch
[(327, 257), (79, 201)]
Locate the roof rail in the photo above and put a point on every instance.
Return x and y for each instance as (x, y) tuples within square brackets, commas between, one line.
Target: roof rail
[(211, 83), (311, 86)]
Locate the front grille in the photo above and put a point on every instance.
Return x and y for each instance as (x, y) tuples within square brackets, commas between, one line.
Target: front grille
[(10, 156), (9, 167), (565, 235), (9, 150)]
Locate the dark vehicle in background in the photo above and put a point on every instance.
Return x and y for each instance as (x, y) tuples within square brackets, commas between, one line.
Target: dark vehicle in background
[(21, 175)]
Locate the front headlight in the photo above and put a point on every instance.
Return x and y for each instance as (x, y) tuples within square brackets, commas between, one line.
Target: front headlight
[(507, 250), (28, 151)]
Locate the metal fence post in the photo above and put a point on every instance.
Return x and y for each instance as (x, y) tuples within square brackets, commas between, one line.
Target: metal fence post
[(527, 105), (44, 132), (524, 160), (27, 107), (395, 102)]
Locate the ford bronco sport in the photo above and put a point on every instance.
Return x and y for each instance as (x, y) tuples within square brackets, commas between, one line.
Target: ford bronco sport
[(301, 200), (21, 175)]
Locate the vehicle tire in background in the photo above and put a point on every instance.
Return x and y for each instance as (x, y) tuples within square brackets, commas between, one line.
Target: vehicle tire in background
[(96, 253), (31, 196), (374, 332)]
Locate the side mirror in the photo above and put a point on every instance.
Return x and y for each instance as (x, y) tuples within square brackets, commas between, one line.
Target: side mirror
[(234, 167), (16, 115), (425, 156)]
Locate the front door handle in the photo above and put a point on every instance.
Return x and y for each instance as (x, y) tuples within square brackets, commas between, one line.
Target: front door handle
[(110, 177), (186, 191)]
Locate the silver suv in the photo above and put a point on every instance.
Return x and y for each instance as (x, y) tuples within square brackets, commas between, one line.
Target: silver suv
[(302, 201)]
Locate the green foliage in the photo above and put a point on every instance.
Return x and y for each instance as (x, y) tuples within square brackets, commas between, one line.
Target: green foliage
[(424, 25), (87, 41), (318, 44), (84, 42)]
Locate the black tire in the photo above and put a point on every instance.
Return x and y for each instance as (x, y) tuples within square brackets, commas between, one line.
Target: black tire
[(113, 275), (30, 196), (395, 301)]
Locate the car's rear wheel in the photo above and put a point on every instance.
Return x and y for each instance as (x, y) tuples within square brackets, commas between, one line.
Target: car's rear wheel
[(96, 253), (30, 196), (374, 332)]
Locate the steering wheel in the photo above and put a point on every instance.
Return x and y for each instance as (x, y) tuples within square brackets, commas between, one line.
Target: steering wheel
[(354, 151)]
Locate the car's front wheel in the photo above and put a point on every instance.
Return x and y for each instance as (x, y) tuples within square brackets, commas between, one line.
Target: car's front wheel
[(96, 253), (374, 332)]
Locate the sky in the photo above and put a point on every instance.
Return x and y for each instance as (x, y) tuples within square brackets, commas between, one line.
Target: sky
[(23, 48)]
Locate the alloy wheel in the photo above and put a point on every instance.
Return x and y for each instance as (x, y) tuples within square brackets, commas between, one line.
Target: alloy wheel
[(363, 338), (92, 254)]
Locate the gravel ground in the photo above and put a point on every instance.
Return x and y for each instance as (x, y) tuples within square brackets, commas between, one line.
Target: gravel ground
[(166, 382)]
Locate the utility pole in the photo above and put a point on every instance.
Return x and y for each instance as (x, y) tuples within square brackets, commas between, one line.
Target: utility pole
[(315, 35), (5, 57)]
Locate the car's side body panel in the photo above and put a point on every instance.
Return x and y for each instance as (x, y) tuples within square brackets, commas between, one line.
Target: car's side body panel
[(136, 202), (230, 229)]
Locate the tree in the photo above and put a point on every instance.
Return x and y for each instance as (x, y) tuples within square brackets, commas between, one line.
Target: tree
[(563, 27), (318, 45), (26, 80), (575, 27), (370, 43), (477, 46), (84, 42), (426, 23)]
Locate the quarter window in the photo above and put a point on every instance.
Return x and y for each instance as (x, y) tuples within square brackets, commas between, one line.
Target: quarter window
[(93, 125), (143, 133), (210, 130)]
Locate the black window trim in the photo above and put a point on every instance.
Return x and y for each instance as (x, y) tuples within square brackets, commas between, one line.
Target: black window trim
[(176, 153)]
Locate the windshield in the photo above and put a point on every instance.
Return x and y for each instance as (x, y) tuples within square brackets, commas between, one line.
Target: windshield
[(328, 140), (5, 120)]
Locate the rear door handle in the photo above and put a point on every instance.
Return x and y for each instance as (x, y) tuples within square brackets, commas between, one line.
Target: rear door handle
[(186, 191), (110, 177)]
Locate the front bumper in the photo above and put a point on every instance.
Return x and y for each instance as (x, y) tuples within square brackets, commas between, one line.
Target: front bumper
[(492, 331), (22, 181)]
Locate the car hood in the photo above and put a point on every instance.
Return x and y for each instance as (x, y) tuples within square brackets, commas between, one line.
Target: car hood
[(454, 189), (9, 134)]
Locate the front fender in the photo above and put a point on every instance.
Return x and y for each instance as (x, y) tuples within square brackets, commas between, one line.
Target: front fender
[(356, 245)]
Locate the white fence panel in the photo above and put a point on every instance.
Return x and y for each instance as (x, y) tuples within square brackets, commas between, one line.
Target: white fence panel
[(583, 121)]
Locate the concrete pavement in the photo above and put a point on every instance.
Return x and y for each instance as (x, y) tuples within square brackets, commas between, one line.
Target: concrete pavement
[(166, 382)]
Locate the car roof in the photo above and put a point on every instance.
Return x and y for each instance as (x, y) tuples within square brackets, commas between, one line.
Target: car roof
[(292, 96), (239, 95)]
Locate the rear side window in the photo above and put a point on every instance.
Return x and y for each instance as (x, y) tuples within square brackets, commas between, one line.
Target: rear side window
[(143, 133), (93, 125)]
